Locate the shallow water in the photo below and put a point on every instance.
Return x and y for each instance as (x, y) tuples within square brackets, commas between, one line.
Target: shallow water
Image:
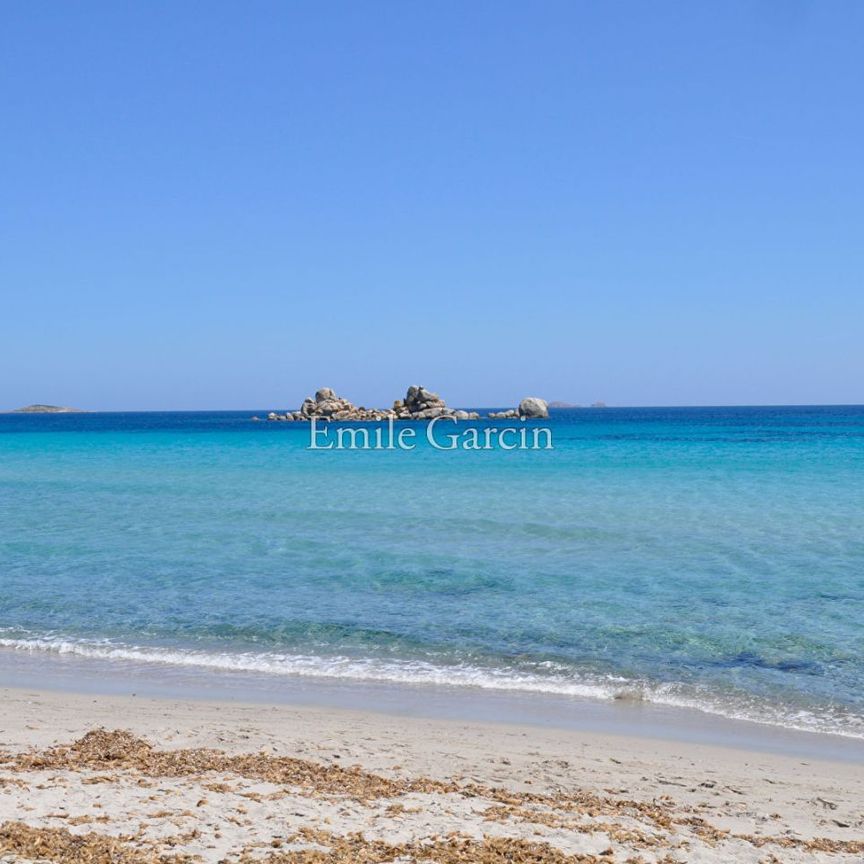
[(708, 558)]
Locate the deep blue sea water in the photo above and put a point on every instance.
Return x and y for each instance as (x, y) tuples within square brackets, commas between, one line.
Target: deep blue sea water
[(702, 557)]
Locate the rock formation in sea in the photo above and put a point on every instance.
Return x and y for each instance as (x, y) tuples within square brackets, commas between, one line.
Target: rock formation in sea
[(328, 406), (531, 407), (418, 404), (422, 404)]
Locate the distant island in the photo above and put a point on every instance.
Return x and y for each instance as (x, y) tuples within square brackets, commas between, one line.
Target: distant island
[(47, 409), (559, 404)]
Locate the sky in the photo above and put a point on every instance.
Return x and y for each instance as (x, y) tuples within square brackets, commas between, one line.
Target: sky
[(208, 205)]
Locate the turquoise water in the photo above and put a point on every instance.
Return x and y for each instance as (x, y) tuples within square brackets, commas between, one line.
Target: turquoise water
[(710, 558)]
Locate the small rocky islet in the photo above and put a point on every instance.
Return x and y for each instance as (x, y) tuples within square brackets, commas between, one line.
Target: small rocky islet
[(46, 409), (418, 404)]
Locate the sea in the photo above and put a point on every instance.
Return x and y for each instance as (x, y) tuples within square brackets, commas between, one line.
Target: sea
[(707, 559)]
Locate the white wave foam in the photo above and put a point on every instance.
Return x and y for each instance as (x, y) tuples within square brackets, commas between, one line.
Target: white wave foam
[(392, 671), (417, 672)]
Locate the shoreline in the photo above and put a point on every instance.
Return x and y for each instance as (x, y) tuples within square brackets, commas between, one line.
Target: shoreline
[(78, 676), (563, 792)]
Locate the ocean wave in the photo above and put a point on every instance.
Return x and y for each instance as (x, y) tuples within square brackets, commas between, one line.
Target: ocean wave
[(556, 682)]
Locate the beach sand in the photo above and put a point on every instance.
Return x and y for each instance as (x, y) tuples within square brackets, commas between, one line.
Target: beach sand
[(285, 784)]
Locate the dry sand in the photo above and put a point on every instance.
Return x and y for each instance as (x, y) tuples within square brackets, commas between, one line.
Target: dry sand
[(284, 784)]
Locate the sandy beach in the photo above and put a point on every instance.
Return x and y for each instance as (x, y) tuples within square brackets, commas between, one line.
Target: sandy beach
[(132, 779)]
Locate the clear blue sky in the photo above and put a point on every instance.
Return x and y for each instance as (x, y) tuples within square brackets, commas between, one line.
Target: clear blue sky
[(226, 205)]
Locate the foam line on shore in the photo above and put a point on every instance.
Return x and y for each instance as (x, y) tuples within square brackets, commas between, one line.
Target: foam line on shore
[(423, 673)]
